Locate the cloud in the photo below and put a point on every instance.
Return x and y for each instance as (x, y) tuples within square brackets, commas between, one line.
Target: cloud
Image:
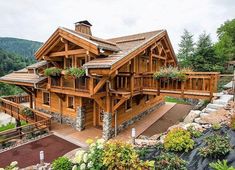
[(37, 20)]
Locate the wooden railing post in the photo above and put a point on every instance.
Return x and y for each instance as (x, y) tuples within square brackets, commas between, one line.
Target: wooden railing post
[(182, 88), (211, 86), (132, 84)]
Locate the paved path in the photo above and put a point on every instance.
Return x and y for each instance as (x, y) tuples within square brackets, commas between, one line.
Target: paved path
[(70, 134), (145, 122), (28, 154), (173, 116)]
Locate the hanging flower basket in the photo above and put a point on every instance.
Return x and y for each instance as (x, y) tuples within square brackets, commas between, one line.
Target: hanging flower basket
[(27, 112), (52, 72), (173, 73), (74, 73)]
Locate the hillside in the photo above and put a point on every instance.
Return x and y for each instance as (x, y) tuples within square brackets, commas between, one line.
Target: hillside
[(25, 48)]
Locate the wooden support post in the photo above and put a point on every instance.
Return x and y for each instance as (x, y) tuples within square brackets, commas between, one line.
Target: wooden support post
[(94, 113), (151, 61), (66, 47), (132, 83), (182, 88), (91, 85), (31, 100), (158, 87)]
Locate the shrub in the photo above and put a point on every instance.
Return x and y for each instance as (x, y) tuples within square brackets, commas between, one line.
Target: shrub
[(92, 159), (119, 155), (62, 163), (178, 139), (232, 123), (26, 111), (216, 126), (75, 72), (215, 146), (52, 71), (194, 132), (221, 165), (170, 161), (12, 166)]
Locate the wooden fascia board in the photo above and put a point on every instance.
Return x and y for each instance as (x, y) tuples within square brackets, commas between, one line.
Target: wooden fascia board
[(136, 52), (80, 42), (17, 83), (52, 38)]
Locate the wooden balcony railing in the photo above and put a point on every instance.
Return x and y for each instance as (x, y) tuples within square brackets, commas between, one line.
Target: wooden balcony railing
[(63, 83), (197, 83), (13, 109), (18, 98)]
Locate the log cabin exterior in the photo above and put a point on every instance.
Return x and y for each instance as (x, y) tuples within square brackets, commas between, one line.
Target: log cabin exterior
[(118, 87)]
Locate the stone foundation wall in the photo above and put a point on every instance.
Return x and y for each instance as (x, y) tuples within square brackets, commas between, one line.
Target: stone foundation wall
[(57, 117)]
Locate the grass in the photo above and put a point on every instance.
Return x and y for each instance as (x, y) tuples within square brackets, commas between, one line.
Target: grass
[(10, 126), (175, 100)]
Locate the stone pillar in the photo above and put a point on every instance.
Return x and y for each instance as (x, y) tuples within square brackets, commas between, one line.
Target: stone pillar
[(80, 121), (107, 126)]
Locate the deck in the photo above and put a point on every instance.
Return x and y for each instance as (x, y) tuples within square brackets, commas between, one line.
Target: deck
[(200, 85)]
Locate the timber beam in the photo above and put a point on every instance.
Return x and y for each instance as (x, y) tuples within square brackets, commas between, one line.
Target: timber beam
[(100, 84), (68, 52)]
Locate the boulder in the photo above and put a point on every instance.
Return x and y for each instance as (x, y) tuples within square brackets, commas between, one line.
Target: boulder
[(191, 116), (214, 106), (155, 137), (215, 117), (195, 125), (209, 110)]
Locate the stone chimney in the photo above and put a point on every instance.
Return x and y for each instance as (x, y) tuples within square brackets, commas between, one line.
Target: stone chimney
[(83, 27)]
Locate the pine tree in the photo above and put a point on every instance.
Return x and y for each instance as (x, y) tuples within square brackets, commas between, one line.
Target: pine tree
[(186, 49)]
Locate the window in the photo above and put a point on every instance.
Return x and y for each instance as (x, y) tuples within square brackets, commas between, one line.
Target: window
[(128, 104), (70, 102), (46, 98)]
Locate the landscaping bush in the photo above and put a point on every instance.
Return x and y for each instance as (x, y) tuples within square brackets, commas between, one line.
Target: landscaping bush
[(12, 166), (62, 163), (232, 123), (120, 155), (221, 165), (52, 71), (216, 126), (92, 159), (26, 111), (170, 161), (215, 146), (178, 139), (75, 72), (194, 132)]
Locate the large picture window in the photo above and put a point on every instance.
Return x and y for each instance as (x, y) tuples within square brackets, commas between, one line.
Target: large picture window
[(46, 98)]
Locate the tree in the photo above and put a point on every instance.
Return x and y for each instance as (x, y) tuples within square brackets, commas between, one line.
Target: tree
[(225, 47), (186, 49), (204, 58)]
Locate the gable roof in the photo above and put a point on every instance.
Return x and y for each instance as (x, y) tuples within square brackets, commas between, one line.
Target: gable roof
[(127, 45)]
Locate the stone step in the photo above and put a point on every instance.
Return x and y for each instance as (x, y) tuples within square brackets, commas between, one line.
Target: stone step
[(214, 106), (220, 102), (209, 110)]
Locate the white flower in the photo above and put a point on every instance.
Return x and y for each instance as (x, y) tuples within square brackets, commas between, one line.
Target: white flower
[(14, 163), (79, 156), (75, 167), (100, 141), (100, 146), (85, 157), (1, 168), (90, 164), (83, 166)]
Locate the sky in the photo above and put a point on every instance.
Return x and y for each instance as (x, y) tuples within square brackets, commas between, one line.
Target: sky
[(38, 19)]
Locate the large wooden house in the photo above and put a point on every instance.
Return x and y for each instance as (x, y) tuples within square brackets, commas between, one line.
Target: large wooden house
[(118, 86)]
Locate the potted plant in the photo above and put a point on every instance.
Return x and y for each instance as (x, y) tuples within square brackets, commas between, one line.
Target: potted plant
[(52, 72), (74, 72), (26, 112)]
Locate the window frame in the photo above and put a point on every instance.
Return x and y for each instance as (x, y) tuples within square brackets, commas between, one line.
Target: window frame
[(69, 96), (49, 98)]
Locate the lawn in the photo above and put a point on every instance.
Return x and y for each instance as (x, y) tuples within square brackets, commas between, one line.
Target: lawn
[(10, 126), (175, 100)]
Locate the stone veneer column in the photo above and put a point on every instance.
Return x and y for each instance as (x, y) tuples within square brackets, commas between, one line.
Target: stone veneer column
[(107, 125), (80, 121)]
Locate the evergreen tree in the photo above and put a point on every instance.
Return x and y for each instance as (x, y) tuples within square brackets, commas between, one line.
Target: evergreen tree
[(204, 58), (186, 49)]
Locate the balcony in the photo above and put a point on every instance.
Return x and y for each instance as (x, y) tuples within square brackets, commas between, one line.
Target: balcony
[(199, 85)]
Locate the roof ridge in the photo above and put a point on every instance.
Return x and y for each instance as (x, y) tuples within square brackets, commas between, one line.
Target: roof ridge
[(136, 34)]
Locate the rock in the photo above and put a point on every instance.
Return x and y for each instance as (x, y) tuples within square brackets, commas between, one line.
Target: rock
[(191, 116), (214, 106), (145, 142), (198, 120), (209, 110), (180, 125), (215, 117), (155, 137), (203, 114), (195, 125)]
